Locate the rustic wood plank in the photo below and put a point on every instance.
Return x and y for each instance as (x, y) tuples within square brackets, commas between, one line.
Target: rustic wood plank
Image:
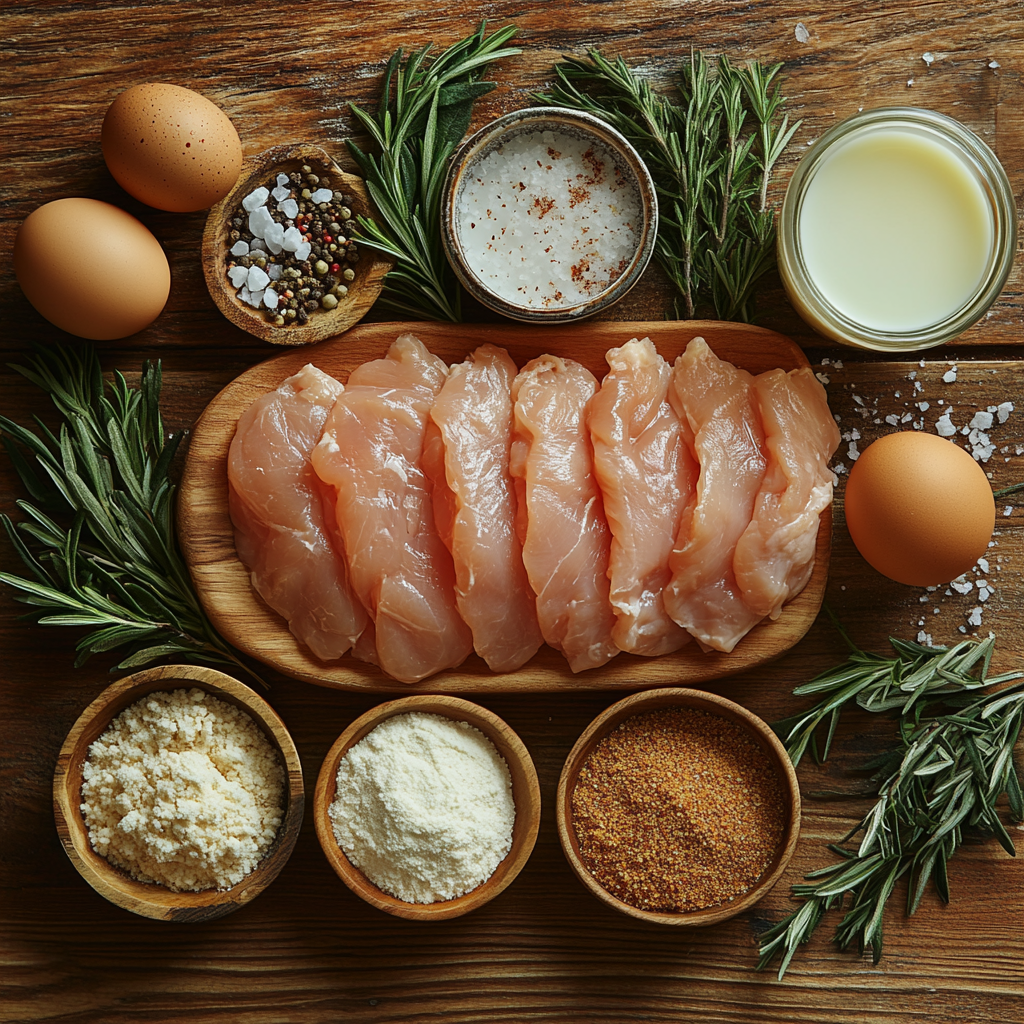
[(307, 949)]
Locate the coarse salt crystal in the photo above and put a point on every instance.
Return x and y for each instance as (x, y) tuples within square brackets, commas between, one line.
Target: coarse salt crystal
[(289, 208), (950, 375), (238, 275), (974, 616), (322, 195), (982, 420), (302, 251), (257, 279), (255, 199), (274, 271), (259, 220), (291, 240), (275, 238), (1003, 411), (255, 298), (270, 298), (1008, 511), (801, 33), (994, 64), (280, 193), (240, 248), (944, 425), (928, 57)]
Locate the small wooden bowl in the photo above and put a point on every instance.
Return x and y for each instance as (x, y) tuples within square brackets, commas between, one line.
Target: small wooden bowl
[(370, 269), (656, 700), (151, 899), (525, 793)]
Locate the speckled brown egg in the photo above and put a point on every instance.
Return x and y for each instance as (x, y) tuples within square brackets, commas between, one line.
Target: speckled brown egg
[(91, 268), (919, 509), (170, 147)]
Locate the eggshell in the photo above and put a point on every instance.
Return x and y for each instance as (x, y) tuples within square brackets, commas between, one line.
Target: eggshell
[(170, 147), (91, 268), (919, 509)]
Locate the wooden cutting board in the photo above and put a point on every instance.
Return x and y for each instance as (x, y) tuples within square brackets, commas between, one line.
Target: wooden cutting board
[(241, 616)]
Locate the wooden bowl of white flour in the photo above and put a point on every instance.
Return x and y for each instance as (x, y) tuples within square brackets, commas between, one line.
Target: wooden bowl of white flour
[(427, 807)]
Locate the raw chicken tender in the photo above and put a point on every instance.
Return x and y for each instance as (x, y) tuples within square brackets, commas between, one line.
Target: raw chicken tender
[(775, 555), (400, 568), (466, 456), (560, 516), (647, 476), (276, 504), (717, 401)]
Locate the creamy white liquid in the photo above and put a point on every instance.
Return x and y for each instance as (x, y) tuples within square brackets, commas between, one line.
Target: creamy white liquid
[(895, 230)]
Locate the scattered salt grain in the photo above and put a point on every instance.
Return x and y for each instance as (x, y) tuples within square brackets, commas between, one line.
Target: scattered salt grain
[(237, 276), (802, 35), (255, 298), (994, 64), (950, 375), (928, 57), (275, 271), (924, 638), (962, 586), (302, 251), (322, 195), (240, 248), (923, 406), (270, 298), (257, 278), (289, 208), (982, 420), (893, 420), (1003, 411), (1008, 511), (254, 200), (292, 239), (259, 220), (280, 193), (974, 616), (282, 179), (944, 425)]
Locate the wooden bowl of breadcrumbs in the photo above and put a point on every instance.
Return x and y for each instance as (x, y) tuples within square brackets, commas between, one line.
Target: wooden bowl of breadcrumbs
[(217, 772), (678, 807)]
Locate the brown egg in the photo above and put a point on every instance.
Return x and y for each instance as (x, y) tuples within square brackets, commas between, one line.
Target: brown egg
[(91, 269), (171, 147), (919, 509)]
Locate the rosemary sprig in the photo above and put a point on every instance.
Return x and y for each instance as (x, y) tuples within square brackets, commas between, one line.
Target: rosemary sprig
[(99, 538), (945, 776), (711, 154), (416, 128)]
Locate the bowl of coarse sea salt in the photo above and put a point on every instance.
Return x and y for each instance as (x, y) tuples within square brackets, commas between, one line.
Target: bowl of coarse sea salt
[(549, 215), (427, 807)]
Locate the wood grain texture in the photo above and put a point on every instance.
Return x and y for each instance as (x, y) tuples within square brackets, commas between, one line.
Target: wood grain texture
[(156, 901), (525, 795), (241, 616), (308, 950), (659, 700)]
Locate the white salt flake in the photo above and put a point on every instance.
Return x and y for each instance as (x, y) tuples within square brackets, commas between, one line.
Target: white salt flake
[(237, 275), (275, 270), (910, 82), (1003, 411), (289, 208), (1008, 511), (906, 417), (944, 425), (322, 195), (240, 248), (974, 616), (950, 375), (275, 238), (982, 420), (823, 377), (840, 468), (282, 179), (259, 221), (255, 199), (924, 638), (983, 564), (302, 251), (852, 452), (281, 193), (257, 279), (962, 586), (255, 299), (994, 64), (928, 57), (292, 239), (923, 406), (270, 298), (893, 420), (802, 35)]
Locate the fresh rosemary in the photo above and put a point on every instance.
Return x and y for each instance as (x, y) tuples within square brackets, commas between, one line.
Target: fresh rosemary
[(415, 130), (99, 536), (711, 155), (945, 776)]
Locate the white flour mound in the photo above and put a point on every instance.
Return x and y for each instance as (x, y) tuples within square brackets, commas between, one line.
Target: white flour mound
[(424, 807)]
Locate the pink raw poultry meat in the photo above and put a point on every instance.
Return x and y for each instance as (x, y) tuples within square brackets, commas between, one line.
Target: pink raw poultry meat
[(775, 555), (278, 514), (466, 456), (716, 400), (370, 454), (565, 537), (647, 476)]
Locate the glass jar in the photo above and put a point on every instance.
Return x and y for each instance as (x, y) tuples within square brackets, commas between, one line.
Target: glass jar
[(866, 260)]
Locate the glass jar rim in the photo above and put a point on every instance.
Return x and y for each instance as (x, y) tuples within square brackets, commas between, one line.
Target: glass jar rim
[(823, 315)]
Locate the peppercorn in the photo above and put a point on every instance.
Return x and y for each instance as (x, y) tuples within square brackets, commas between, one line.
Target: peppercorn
[(348, 274)]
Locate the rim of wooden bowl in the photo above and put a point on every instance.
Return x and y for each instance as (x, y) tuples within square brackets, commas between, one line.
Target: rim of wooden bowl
[(654, 700), (150, 899), (371, 267), (525, 793)]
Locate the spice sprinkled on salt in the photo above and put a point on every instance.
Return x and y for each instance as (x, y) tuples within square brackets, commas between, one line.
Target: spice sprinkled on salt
[(548, 220)]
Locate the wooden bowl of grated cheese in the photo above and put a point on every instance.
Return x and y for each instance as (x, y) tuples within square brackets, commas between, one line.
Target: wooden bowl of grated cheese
[(437, 830), (234, 821)]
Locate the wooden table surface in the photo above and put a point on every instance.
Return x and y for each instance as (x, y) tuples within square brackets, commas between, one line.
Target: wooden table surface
[(308, 950)]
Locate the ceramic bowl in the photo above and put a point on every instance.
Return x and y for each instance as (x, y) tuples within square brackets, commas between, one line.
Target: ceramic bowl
[(577, 125), (525, 793), (151, 899), (656, 700), (370, 269)]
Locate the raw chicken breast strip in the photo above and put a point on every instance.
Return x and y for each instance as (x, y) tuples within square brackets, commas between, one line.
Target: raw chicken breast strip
[(775, 555), (560, 516), (370, 454), (647, 475), (276, 504), (716, 399), (466, 456)]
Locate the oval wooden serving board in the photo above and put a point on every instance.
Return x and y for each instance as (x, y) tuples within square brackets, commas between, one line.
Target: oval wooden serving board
[(243, 619)]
